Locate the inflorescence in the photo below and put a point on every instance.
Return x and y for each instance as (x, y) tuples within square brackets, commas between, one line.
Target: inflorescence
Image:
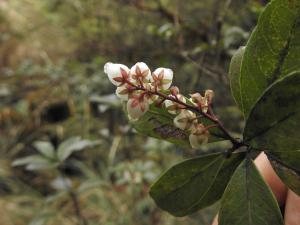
[(140, 88)]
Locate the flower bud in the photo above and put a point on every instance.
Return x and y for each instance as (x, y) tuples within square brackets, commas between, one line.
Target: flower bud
[(123, 92), (150, 97), (137, 106), (140, 72), (200, 101), (162, 78), (174, 107), (209, 94), (174, 90), (199, 137), (117, 73), (185, 120)]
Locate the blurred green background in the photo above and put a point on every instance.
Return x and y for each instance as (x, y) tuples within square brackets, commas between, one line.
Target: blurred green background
[(52, 88)]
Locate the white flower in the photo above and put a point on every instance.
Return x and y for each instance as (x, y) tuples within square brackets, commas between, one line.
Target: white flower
[(123, 92), (116, 73), (199, 137), (185, 120), (200, 101), (140, 72), (150, 97), (162, 78), (174, 107), (137, 106)]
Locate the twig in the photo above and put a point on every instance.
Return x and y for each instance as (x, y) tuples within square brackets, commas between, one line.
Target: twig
[(209, 115), (81, 219)]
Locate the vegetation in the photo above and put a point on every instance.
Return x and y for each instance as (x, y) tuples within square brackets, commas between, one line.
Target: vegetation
[(69, 154)]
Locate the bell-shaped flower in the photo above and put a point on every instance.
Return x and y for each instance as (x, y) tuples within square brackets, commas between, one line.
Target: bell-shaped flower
[(148, 94), (209, 94), (200, 101), (162, 78), (117, 73), (124, 91), (174, 107), (140, 73), (199, 136), (137, 105), (185, 120)]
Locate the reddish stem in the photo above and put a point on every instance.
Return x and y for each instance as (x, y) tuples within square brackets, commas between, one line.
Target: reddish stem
[(210, 116)]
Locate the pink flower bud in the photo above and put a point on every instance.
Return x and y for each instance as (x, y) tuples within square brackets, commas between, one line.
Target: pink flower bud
[(140, 72), (162, 78), (117, 73), (174, 90)]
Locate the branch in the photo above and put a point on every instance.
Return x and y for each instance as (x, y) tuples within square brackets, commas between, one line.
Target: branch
[(81, 219), (209, 115), (78, 213)]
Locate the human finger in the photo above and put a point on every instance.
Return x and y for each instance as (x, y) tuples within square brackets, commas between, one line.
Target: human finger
[(292, 209)]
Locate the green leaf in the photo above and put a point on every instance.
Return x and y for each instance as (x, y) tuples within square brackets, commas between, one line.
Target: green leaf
[(194, 184), (45, 148), (234, 75), (35, 162), (216, 190), (71, 145), (42, 166), (290, 158), (29, 159), (272, 52), (248, 200), (158, 123), (274, 122), (287, 166)]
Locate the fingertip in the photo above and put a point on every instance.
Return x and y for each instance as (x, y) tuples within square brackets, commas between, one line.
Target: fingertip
[(292, 209), (215, 222), (271, 178)]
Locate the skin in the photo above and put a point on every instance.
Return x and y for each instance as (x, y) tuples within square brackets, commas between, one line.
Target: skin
[(283, 195)]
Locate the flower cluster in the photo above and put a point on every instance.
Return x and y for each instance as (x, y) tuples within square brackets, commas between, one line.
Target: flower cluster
[(140, 88)]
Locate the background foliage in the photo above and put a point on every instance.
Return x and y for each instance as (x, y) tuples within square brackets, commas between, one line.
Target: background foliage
[(52, 88)]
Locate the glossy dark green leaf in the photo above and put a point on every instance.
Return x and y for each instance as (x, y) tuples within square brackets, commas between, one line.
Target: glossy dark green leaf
[(287, 166), (194, 183), (158, 123), (289, 158), (274, 122), (273, 50), (248, 200), (234, 75), (216, 190)]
